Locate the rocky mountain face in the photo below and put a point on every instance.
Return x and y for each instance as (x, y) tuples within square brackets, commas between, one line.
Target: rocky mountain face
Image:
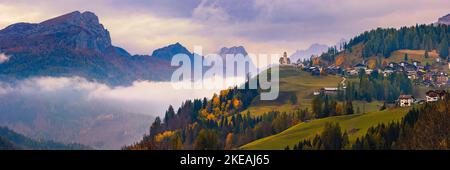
[(232, 50), (79, 31), (73, 45), (444, 20), (314, 49), (235, 50), (166, 53), (76, 44)]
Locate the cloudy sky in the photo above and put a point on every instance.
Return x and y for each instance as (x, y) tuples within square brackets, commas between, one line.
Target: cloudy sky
[(262, 26)]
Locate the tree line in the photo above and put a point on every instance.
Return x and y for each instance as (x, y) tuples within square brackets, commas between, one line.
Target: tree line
[(376, 87), (367, 88), (425, 127), (217, 123), (382, 42), (331, 138)]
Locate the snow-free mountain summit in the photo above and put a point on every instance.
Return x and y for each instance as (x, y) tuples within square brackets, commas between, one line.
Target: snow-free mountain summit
[(77, 44)]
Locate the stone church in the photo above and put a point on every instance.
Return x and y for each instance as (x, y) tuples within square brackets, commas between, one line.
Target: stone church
[(285, 60)]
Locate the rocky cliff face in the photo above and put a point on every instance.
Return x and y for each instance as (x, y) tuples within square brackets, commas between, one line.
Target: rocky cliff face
[(236, 50), (77, 44), (233, 50), (166, 53), (81, 31), (444, 20), (314, 49), (74, 44)]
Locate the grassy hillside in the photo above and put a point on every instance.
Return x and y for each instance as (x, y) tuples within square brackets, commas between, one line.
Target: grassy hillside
[(293, 82), (356, 125), (302, 84), (349, 58), (399, 55)]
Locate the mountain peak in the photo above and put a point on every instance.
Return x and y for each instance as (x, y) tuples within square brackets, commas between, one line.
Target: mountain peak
[(176, 45), (444, 20), (314, 49), (233, 50), (169, 51), (76, 44), (76, 18), (73, 30)]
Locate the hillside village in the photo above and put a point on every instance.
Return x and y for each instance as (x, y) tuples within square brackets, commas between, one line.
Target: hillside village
[(374, 78), (428, 75)]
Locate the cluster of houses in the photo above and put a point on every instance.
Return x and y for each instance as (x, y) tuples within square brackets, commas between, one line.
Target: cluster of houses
[(419, 74), (431, 96), (402, 101)]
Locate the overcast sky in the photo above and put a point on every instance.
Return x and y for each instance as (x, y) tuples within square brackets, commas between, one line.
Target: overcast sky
[(261, 26)]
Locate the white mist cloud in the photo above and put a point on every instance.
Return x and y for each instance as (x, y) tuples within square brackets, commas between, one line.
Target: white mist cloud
[(142, 97), (73, 109), (3, 58)]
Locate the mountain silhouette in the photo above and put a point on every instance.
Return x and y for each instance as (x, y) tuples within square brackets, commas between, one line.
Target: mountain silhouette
[(77, 44)]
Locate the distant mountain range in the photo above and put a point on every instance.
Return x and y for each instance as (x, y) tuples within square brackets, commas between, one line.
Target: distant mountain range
[(232, 50), (76, 44), (314, 49), (444, 20), (166, 53), (235, 50)]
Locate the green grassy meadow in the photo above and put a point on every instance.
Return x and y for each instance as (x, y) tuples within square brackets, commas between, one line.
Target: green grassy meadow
[(293, 82), (356, 125)]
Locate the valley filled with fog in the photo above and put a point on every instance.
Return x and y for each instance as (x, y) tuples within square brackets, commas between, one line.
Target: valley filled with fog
[(73, 109)]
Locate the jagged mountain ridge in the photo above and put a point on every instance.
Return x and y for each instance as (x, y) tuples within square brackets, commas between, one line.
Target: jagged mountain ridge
[(73, 30), (72, 45), (232, 50), (76, 44), (314, 49), (166, 53), (444, 20)]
